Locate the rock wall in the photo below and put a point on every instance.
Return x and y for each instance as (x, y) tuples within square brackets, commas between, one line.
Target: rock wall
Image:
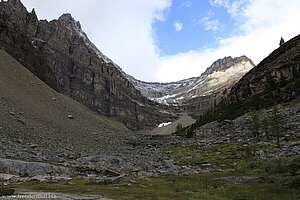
[(61, 55), (202, 105), (279, 71)]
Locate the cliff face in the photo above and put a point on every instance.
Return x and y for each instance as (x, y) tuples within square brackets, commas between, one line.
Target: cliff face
[(276, 77), (61, 55)]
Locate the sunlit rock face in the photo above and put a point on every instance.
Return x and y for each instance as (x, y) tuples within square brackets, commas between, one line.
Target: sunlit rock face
[(198, 95)]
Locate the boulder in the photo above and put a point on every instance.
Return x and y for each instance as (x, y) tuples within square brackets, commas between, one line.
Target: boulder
[(23, 168)]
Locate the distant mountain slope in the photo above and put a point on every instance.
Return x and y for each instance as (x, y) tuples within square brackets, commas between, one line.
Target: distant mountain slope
[(221, 73), (198, 95), (34, 117)]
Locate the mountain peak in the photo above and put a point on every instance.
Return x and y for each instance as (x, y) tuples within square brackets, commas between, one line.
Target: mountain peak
[(15, 2), (67, 18), (16, 5), (225, 63), (218, 64)]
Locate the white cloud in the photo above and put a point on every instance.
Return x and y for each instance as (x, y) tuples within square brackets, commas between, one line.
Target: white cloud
[(184, 65), (178, 26), (234, 7), (123, 30), (185, 4), (209, 23), (223, 3), (261, 24)]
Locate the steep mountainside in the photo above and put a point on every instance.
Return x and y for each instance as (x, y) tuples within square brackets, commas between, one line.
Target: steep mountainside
[(61, 55), (276, 77), (39, 123), (274, 80), (199, 94)]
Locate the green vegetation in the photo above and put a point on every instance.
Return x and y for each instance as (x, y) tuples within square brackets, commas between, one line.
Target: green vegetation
[(243, 159), (276, 125), (255, 124), (179, 130), (239, 157), (289, 166), (281, 177), (293, 103), (272, 96), (194, 187), (271, 126)]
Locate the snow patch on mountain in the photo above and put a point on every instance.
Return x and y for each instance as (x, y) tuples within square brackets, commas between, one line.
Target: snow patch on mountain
[(164, 124), (221, 74)]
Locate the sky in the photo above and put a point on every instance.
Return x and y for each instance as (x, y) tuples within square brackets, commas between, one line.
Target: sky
[(170, 40)]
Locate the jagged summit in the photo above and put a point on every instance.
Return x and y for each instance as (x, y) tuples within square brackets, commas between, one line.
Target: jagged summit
[(75, 30), (13, 2), (68, 19), (17, 4), (225, 63), (275, 80), (218, 64)]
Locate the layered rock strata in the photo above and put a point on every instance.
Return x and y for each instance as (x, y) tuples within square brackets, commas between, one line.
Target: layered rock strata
[(277, 76)]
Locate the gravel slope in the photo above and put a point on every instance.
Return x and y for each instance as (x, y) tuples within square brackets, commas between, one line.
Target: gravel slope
[(39, 125), (36, 121)]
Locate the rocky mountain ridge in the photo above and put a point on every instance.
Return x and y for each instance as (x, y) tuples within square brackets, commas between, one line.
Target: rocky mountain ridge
[(198, 95), (228, 69), (61, 55)]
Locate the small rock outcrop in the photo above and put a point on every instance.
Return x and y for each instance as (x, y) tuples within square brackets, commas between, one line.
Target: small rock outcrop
[(24, 168), (6, 191), (281, 41)]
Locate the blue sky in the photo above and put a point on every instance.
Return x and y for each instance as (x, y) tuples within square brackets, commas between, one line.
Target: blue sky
[(169, 40), (191, 25)]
